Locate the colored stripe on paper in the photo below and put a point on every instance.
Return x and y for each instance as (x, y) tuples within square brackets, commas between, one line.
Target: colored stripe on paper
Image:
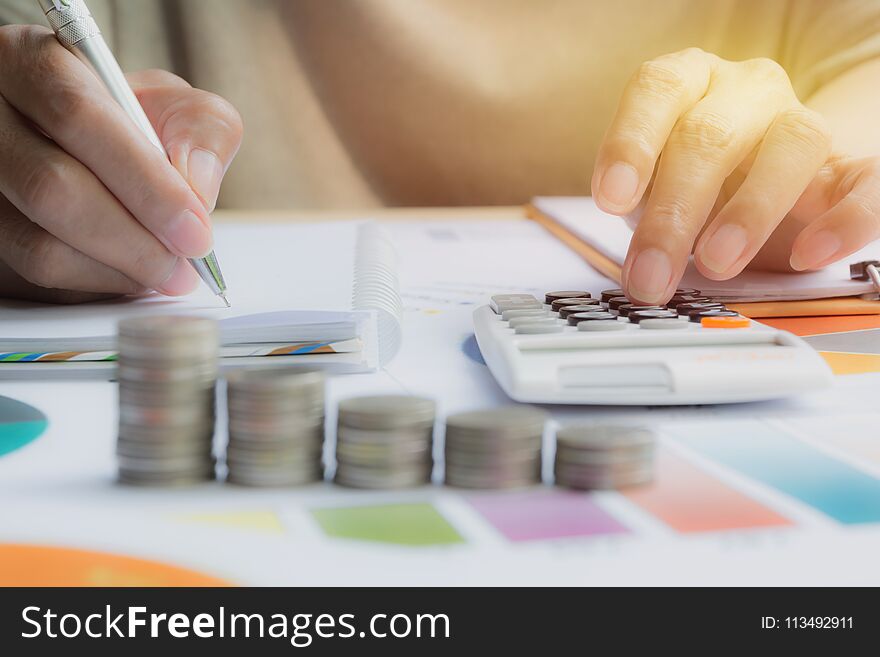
[(544, 515), (688, 499), (789, 465)]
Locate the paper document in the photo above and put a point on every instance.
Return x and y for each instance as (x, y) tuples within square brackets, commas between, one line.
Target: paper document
[(611, 236), (325, 292)]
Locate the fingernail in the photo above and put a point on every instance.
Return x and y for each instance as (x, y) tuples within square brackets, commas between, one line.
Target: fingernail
[(619, 185), (724, 248), (189, 235), (182, 280), (649, 276), (815, 250), (205, 172)]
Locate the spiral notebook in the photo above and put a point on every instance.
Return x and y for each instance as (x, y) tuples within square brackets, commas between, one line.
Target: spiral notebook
[(321, 294)]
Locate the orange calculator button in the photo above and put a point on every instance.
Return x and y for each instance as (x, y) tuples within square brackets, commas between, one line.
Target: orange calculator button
[(725, 322)]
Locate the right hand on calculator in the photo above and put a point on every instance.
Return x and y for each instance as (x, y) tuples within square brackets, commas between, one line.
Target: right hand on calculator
[(88, 206)]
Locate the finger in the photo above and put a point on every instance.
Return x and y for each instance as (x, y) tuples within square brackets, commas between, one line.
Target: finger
[(658, 94), (13, 286), (794, 149), (704, 148), (202, 132), (45, 261), (57, 92), (61, 195), (849, 225)]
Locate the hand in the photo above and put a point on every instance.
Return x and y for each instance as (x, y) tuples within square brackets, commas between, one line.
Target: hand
[(88, 206), (720, 158)]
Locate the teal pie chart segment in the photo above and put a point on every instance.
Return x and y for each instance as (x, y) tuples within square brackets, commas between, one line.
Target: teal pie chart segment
[(19, 425)]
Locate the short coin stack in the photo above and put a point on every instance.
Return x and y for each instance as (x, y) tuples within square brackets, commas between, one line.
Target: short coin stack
[(497, 448), (385, 442), (604, 456), (167, 374), (276, 427)]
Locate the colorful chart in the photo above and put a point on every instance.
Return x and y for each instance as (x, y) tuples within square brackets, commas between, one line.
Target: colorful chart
[(544, 515), (31, 565), (791, 466), (850, 344), (19, 425), (688, 499), (417, 524)]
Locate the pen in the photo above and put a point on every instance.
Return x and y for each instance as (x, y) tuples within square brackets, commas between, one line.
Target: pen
[(77, 31)]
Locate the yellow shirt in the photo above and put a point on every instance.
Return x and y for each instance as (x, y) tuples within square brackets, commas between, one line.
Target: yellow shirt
[(431, 102)]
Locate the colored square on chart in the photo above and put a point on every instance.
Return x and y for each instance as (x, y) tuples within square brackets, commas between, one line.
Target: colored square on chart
[(545, 515), (418, 524)]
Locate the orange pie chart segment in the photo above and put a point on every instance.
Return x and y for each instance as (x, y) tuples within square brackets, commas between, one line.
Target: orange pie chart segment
[(31, 565)]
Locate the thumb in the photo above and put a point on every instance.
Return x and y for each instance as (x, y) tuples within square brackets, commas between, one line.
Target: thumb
[(200, 130)]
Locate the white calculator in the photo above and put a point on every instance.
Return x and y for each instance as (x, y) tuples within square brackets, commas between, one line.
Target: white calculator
[(573, 348)]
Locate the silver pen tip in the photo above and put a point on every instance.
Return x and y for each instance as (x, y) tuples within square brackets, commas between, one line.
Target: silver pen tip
[(222, 295)]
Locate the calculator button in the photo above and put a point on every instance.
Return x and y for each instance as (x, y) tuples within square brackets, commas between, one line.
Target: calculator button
[(592, 316), (725, 322), (565, 311), (662, 324), (502, 302), (533, 329), (602, 325), (524, 312), (687, 290), (550, 297), (627, 308), (559, 303), (699, 316), (616, 302), (688, 308), (608, 295), (636, 316), (678, 300), (522, 321)]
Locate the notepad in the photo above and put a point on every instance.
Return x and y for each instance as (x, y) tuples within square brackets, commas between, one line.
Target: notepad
[(322, 294), (610, 236)]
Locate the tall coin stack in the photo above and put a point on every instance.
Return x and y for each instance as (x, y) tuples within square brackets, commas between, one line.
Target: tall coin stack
[(385, 442), (167, 373), (276, 427), (604, 456), (498, 448)]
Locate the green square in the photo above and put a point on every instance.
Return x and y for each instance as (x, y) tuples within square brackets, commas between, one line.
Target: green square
[(399, 524)]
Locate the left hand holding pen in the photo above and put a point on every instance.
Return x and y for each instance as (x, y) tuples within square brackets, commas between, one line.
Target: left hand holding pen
[(721, 159)]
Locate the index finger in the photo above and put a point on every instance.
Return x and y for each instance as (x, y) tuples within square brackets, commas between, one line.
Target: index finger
[(654, 99), (65, 99)]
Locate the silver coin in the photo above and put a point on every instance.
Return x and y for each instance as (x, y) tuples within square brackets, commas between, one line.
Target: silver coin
[(130, 479), (276, 381), (386, 412), (516, 420), (382, 480), (609, 457), (601, 437), (382, 453), (275, 426), (418, 435), (483, 482), (598, 482), (281, 481), (169, 326)]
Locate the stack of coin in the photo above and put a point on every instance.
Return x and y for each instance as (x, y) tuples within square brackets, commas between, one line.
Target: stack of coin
[(167, 374), (604, 456), (385, 442), (276, 426), (497, 448)]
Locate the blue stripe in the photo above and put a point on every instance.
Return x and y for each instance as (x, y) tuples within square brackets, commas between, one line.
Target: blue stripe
[(789, 465)]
